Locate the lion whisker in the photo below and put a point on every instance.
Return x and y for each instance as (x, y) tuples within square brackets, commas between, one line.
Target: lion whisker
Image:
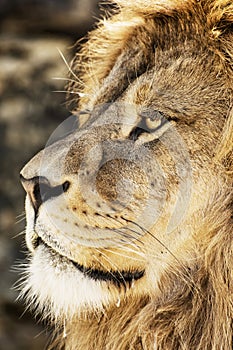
[(67, 65), (124, 255), (104, 267), (112, 264), (154, 237), (186, 277), (20, 215), (65, 79), (21, 233), (20, 220), (80, 94)]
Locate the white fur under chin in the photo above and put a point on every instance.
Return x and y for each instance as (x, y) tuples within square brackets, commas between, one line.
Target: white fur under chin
[(58, 290)]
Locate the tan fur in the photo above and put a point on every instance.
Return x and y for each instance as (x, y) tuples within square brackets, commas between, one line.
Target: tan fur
[(185, 300), (197, 315)]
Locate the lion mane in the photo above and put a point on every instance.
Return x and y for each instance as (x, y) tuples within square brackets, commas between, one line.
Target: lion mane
[(192, 306), (182, 315)]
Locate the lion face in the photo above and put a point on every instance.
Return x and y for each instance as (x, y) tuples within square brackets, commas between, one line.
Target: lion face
[(114, 204)]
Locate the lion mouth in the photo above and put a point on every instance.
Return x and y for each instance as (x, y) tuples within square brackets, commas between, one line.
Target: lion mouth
[(118, 278)]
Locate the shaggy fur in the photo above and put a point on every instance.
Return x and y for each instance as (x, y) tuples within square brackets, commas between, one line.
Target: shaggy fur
[(191, 307), (196, 315)]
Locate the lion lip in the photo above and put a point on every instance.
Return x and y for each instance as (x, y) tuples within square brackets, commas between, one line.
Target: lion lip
[(119, 278), (116, 277)]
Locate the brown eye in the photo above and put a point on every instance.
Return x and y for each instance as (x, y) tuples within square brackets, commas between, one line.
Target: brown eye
[(152, 125), (153, 120)]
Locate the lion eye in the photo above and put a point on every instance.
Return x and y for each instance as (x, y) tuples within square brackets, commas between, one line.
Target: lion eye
[(152, 125), (150, 122), (153, 119)]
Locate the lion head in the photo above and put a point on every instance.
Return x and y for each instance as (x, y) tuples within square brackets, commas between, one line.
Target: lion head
[(128, 214)]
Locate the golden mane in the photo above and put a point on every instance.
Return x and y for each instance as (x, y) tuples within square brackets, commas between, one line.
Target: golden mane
[(198, 314)]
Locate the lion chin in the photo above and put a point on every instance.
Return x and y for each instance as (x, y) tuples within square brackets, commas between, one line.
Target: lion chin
[(74, 291), (129, 213)]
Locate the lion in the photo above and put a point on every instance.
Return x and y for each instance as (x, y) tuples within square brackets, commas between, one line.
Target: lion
[(129, 225)]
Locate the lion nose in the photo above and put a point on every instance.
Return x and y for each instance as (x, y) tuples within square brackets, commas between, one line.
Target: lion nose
[(39, 190)]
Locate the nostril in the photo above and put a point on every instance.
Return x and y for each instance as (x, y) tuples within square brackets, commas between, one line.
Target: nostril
[(42, 190), (36, 196), (32, 187), (39, 190), (65, 186), (47, 191)]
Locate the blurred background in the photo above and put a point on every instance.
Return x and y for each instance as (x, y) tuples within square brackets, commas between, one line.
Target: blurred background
[(31, 32)]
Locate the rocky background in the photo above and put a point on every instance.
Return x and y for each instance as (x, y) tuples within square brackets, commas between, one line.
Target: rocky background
[(31, 32)]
